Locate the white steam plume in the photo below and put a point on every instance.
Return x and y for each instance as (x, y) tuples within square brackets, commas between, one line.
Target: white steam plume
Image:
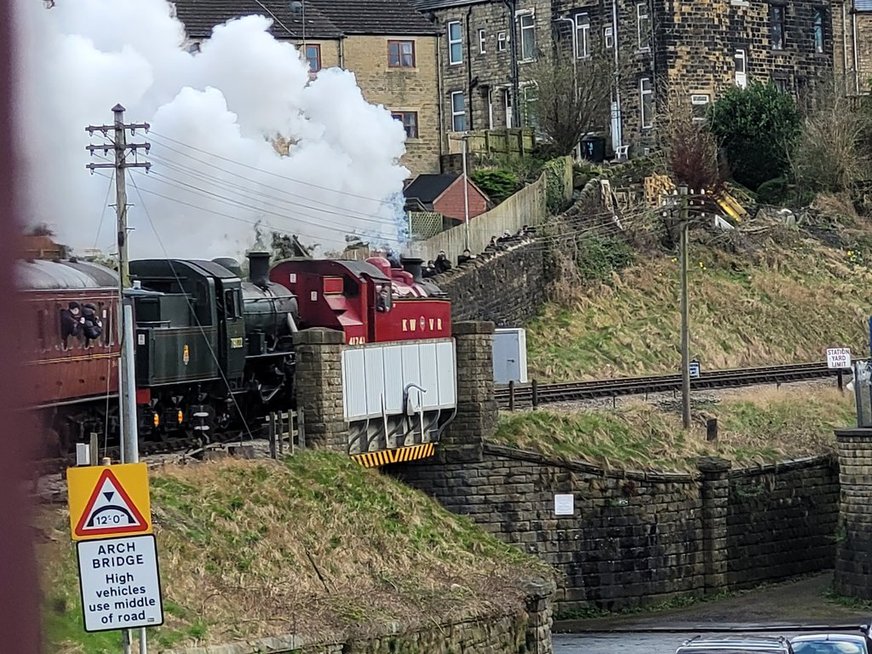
[(214, 173)]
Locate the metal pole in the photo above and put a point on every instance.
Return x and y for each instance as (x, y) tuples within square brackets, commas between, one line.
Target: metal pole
[(685, 315), (131, 435), (465, 194)]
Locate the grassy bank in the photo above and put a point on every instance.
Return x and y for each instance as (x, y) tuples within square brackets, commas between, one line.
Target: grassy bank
[(754, 427), (785, 305), (316, 546)]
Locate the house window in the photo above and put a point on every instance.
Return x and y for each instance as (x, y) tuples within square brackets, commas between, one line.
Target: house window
[(582, 36), (482, 42), (530, 95), (313, 56), (409, 120), (643, 25), (455, 43), (741, 69), (501, 42), (609, 38), (819, 16), (527, 25), (646, 102), (458, 112), (776, 19), (401, 54), (698, 104), (781, 83)]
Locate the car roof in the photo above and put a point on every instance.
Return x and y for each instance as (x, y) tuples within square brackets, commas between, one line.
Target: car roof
[(843, 638), (736, 644)]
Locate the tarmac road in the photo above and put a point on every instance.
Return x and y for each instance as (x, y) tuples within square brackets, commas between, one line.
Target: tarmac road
[(622, 643)]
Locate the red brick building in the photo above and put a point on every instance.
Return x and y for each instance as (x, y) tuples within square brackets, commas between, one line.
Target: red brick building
[(444, 194)]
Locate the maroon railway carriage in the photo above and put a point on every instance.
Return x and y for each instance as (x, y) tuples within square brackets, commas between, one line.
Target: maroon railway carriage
[(70, 341)]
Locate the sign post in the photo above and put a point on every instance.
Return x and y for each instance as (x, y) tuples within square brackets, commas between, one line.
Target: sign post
[(110, 520)]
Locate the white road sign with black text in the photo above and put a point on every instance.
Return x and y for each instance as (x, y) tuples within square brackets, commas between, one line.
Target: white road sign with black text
[(839, 357), (120, 583)]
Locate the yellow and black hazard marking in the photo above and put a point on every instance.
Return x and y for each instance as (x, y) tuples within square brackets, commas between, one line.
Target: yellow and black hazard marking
[(399, 455)]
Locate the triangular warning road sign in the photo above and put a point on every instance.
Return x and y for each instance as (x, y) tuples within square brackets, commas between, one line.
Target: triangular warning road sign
[(110, 510)]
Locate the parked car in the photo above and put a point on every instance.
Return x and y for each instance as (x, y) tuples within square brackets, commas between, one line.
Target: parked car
[(831, 644), (735, 645)]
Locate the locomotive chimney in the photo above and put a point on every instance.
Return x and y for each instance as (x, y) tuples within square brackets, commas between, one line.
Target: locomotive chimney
[(412, 265), (258, 268)]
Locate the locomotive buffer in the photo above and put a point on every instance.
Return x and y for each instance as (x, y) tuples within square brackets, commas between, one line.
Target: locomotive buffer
[(120, 148)]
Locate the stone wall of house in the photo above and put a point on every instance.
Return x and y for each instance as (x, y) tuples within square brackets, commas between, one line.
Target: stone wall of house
[(853, 575), (782, 521), (853, 65), (402, 89)]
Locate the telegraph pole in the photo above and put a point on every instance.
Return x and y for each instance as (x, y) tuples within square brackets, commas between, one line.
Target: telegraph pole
[(127, 374), (685, 311)]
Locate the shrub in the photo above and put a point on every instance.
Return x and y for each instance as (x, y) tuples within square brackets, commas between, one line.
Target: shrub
[(498, 183), (757, 128), (554, 185)]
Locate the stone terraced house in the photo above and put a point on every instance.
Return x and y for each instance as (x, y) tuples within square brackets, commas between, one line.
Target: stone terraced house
[(390, 47), (696, 47), (852, 44)]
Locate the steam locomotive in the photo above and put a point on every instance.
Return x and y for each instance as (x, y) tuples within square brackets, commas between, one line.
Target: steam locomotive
[(214, 350)]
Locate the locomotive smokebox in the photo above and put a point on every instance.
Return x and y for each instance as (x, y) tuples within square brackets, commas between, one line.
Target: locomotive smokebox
[(412, 265), (258, 268)]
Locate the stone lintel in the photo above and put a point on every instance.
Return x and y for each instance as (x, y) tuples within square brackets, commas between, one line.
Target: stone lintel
[(470, 327)]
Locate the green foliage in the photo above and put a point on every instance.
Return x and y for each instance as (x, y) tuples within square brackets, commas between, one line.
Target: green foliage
[(757, 128), (598, 257), (498, 183), (774, 191), (554, 184)]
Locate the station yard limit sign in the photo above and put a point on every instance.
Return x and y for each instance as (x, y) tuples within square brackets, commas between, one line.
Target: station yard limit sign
[(120, 583), (838, 357)]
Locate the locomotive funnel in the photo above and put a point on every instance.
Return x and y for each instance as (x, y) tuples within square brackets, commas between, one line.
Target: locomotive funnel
[(258, 268), (412, 265)]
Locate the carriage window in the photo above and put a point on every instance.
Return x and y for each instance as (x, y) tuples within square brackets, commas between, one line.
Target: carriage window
[(40, 328), (231, 304), (383, 299), (107, 324)]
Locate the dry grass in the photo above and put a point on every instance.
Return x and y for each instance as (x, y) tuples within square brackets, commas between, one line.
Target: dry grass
[(317, 546), (755, 427), (787, 307)]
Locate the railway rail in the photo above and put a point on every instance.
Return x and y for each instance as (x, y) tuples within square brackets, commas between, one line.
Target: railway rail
[(514, 396)]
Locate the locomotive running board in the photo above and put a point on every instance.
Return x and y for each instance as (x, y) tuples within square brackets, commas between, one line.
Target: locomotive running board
[(398, 455)]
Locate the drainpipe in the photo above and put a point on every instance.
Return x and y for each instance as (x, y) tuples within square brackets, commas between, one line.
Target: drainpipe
[(440, 98), (844, 49), (572, 31), (512, 6), (617, 119), (856, 56), (342, 51), (469, 103)]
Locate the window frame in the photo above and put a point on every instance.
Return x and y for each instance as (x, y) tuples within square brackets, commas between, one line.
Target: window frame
[(455, 42), (777, 26), (399, 43), (401, 115), (819, 35), (582, 36), (741, 77), (699, 100), (526, 102), (482, 41), (522, 30), (317, 48), (608, 37), (502, 42), (455, 114), (647, 16), (649, 124)]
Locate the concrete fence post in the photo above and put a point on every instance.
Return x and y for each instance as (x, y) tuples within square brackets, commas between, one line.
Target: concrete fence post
[(715, 502), (476, 405), (853, 576), (318, 387)]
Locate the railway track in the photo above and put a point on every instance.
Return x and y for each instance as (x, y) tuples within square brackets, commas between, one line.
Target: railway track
[(526, 395)]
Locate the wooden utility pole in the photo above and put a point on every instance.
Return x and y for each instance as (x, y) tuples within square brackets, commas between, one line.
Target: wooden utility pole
[(127, 374), (685, 311)]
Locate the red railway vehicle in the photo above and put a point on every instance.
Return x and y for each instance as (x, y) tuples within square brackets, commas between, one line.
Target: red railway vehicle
[(370, 302), (70, 340)]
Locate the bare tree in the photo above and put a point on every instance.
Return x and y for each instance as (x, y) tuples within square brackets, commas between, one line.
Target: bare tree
[(689, 149), (573, 96)]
